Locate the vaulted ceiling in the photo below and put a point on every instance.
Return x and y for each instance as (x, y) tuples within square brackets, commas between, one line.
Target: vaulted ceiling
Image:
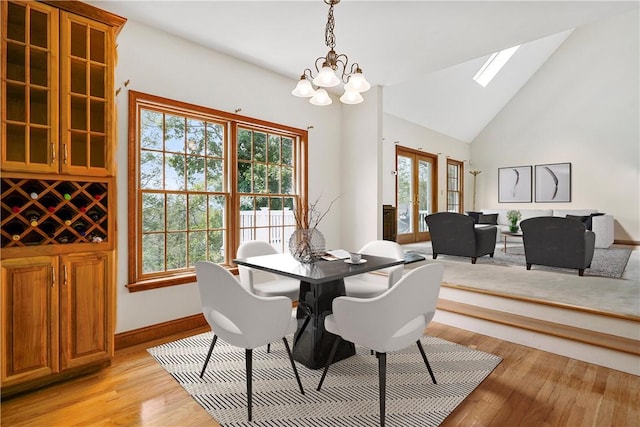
[(424, 53)]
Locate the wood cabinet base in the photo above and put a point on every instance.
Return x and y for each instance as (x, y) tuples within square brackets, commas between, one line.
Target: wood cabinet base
[(29, 386)]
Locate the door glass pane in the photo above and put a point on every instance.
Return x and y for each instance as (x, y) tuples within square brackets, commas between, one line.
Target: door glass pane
[(38, 28), (39, 106), (97, 46), (39, 72), (38, 145), (405, 198), (97, 155), (98, 116), (16, 143), (78, 40), (16, 105), (78, 113), (78, 150), (16, 22), (425, 193), (97, 81), (78, 77), (16, 62)]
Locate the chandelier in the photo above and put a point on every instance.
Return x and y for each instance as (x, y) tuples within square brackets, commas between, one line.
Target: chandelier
[(334, 69)]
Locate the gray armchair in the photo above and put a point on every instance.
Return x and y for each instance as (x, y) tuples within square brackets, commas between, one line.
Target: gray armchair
[(455, 234), (557, 242)]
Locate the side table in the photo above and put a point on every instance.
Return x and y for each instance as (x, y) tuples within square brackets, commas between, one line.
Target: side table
[(509, 234)]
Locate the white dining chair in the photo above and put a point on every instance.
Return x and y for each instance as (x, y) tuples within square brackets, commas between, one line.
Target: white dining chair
[(264, 283), (372, 284), (241, 318), (388, 322)]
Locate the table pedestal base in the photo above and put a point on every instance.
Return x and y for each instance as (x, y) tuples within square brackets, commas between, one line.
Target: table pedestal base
[(312, 342)]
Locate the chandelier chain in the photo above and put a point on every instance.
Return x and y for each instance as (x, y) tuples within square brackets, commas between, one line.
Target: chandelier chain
[(329, 37)]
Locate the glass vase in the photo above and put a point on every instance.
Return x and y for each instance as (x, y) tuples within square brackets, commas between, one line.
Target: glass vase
[(307, 245)]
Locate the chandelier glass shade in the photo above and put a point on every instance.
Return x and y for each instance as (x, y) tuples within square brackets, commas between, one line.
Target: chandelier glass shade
[(332, 70)]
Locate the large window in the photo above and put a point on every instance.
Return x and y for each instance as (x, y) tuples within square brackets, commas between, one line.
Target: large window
[(201, 182), (455, 186)]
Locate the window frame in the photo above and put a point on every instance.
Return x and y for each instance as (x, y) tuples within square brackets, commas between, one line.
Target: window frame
[(460, 180), (137, 100)]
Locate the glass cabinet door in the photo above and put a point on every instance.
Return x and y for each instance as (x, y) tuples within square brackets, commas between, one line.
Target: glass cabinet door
[(86, 96), (30, 81)]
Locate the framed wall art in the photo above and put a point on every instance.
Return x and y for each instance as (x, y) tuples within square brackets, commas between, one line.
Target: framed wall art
[(514, 184), (553, 182)]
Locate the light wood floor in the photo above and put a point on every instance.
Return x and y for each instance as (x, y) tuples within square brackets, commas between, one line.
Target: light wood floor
[(529, 388)]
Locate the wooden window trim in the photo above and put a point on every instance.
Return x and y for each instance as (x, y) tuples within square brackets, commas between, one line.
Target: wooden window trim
[(135, 284), (460, 190)]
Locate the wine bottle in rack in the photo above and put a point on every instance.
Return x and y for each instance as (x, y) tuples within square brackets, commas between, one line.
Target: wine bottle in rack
[(65, 190), (33, 190), (94, 215), (15, 203), (65, 215), (48, 227), (15, 230), (80, 227), (50, 203), (33, 217)]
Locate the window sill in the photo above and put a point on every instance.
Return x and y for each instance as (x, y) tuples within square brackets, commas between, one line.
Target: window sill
[(163, 282)]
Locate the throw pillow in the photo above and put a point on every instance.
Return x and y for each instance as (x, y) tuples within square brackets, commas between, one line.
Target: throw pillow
[(582, 219), (474, 215), (488, 219), (589, 222)]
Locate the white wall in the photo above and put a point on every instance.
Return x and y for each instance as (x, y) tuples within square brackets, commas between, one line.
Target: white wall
[(159, 64), (414, 136), (361, 164), (581, 107)]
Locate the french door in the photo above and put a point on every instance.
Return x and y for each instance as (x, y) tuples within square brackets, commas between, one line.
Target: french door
[(416, 193)]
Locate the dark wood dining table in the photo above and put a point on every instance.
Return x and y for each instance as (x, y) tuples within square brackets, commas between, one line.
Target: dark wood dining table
[(320, 283)]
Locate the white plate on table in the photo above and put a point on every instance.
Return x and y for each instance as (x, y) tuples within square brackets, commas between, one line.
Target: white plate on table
[(348, 261)]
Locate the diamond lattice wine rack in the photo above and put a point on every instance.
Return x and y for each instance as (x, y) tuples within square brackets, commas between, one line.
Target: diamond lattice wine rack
[(53, 212)]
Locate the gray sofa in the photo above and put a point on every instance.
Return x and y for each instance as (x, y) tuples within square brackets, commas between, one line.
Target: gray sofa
[(557, 242), (601, 225), (455, 234)]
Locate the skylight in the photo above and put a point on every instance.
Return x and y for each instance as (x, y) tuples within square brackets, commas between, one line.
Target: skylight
[(495, 62)]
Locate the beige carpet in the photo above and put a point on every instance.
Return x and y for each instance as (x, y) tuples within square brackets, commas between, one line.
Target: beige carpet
[(602, 293)]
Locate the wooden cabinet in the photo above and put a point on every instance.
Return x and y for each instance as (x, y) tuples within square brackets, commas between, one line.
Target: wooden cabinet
[(86, 306), (57, 314), (57, 122), (57, 225), (29, 319)]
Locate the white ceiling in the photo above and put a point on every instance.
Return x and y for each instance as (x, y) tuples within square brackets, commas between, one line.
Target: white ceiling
[(424, 53)]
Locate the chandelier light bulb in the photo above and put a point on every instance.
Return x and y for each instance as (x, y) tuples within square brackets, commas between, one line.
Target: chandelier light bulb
[(303, 88), (321, 98), (357, 83), (351, 97), (326, 78)]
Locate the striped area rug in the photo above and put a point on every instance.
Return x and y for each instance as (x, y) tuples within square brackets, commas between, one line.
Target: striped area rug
[(349, 395)]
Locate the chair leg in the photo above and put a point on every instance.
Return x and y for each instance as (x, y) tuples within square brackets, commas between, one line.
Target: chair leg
[(293, 365), (581, 272), (382, 381), (528, 266), (249, 367), (435, 255), (491, 255), (269, 348), (426, 361), (474, 259), (332, 354), (206, 361)]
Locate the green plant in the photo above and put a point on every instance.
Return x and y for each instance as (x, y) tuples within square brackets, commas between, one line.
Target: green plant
[(514, 216)]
